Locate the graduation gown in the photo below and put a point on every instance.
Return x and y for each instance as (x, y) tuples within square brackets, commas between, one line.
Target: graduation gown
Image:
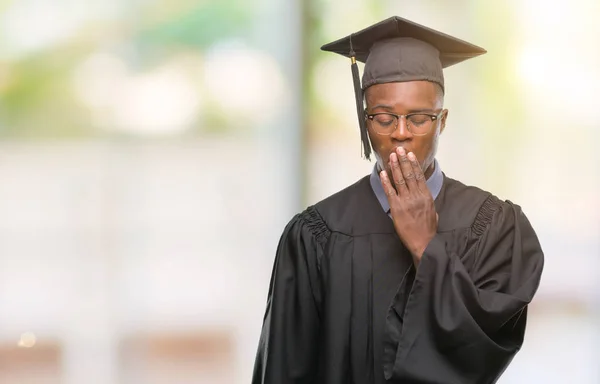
[(347, 305)]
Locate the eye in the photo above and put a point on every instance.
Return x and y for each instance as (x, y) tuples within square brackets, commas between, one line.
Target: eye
[(419, 120), (384, 120)]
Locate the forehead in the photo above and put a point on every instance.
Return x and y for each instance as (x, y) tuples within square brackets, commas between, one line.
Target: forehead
[(403, 95)]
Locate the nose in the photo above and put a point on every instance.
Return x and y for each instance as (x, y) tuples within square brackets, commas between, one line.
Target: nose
[(401, 132)]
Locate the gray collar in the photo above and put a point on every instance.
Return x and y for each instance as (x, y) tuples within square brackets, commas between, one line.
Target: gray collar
[(434, 183)]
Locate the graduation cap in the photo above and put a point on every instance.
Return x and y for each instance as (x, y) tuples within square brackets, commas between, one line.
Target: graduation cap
[(398, 50)]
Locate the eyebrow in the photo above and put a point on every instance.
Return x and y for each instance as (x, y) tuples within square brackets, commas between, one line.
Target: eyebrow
[(382, 106), (390, 109)]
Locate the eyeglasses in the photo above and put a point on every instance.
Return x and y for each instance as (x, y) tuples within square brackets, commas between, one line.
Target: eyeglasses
[(419, 124)]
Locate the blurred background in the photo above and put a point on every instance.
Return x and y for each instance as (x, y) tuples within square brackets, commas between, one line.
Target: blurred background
[(152, 151)]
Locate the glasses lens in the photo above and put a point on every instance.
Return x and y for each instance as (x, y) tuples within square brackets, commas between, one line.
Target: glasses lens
[(420, 124), (384, 123)]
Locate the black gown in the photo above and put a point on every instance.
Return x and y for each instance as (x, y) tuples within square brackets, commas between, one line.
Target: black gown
[(346, 304)]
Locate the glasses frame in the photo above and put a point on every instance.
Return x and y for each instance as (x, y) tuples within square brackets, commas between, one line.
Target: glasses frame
[(434, 119)]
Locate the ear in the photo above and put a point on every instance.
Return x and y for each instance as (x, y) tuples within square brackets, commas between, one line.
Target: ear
[(443, 122)]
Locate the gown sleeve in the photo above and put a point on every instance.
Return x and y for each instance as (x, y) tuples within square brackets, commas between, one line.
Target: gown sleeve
[(465, 324), (288, 346)]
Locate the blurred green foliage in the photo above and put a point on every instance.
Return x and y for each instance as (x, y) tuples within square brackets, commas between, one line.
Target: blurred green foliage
[(198, 26), (501, 113), (37, 100)]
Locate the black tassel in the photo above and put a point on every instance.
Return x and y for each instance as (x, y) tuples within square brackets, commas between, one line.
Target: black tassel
[(360, 106)]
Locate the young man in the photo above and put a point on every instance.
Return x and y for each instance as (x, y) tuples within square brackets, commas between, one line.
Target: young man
[(407, 276)]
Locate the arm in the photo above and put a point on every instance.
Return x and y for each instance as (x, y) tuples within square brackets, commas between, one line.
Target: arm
[(287, 351), (465, 326), (460, 325)]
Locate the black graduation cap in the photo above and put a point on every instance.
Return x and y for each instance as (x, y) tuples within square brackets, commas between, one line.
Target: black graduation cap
[(397, 50)]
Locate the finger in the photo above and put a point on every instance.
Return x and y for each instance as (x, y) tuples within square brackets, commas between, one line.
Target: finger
[(399, 181), (389, 190), (418, 171), (407, 170)]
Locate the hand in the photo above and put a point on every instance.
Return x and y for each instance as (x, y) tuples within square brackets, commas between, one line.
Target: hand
[(411, 203)]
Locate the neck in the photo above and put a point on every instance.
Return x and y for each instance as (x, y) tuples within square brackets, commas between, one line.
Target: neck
[(429, 171)]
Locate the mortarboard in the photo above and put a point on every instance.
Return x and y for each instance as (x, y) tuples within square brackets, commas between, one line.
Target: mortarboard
[(398, 50)]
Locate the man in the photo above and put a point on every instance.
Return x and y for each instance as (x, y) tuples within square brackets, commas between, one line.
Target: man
[(407, 276)]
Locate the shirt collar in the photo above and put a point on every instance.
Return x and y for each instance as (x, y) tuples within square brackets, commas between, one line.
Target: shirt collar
[(434, 183)]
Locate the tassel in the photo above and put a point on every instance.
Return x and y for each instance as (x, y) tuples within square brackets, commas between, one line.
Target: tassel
[(359, 105)]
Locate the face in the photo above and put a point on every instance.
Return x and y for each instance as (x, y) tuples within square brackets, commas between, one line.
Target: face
[(401, 99)]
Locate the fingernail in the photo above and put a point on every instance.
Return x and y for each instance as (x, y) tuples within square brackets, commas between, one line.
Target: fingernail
[(401, 151), (394, 158), (411, 156)]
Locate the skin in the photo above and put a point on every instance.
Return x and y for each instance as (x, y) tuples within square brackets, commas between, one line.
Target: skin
[(409, 159)]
